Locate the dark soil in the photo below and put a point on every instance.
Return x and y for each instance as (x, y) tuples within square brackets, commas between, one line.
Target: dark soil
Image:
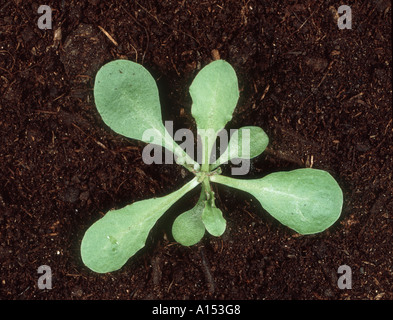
[(323, 95)]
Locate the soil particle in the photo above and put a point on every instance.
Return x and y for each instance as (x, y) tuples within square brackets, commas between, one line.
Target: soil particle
[(317, 64), (70, 195)]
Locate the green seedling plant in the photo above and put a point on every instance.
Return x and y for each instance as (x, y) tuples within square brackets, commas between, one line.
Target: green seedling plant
[(126, 96)]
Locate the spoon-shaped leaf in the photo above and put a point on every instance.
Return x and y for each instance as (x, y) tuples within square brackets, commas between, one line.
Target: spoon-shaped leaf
[(245, 143), (126, 96), (188, 228), (112, 240), (214, 94), (213, 220), (306, 200)]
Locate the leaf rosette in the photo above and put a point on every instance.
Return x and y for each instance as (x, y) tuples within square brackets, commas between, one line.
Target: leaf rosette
[(126, 95)]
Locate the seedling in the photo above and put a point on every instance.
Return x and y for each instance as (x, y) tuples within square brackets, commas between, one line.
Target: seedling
[(306, 200)]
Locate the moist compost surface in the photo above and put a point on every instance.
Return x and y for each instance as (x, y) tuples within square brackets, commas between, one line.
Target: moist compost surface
[(322, 94)]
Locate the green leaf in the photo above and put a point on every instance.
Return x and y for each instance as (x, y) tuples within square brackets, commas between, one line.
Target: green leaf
[(213, 220), (188, 228), (306, 200), (214, 94), (245, 143), (112, 240), (126, 96)]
